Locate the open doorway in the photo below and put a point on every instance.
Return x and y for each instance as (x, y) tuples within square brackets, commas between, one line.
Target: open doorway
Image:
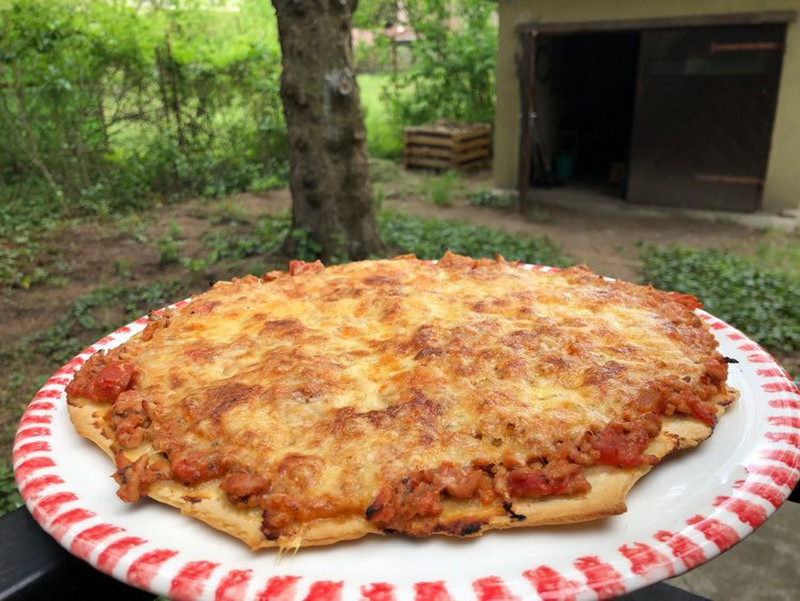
[(669, 116), (585, 93)]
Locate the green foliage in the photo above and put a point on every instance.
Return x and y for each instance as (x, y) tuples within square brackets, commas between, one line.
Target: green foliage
[(430, 238), (760, 302), (440, 189), (779, 251), (454, 56), (375, 14), (384, 129), (170, 244), (427, 238), (264, 239), (491, 199), (383, 171), (18, 261), (91, 316), (374, 57), (9, 497), (109, 105), (380, 196)]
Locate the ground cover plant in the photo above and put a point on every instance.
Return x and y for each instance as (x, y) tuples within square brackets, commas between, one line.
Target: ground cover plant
[(760, 301)]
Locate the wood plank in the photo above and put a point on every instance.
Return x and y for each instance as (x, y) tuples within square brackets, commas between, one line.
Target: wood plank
[(428, 151), (477, 143), (448, 150), (476, 154), (473, 164), (735, 180), (472, 127), (747, 18), (474, 136), (746, 47), (443, 147), (422, 131), (430, 140)]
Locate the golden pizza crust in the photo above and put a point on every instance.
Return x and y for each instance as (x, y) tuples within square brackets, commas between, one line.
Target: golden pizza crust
[(207, 503), (345, 388)]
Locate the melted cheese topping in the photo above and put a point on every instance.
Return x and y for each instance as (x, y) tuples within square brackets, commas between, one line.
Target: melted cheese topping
[(330, 383)]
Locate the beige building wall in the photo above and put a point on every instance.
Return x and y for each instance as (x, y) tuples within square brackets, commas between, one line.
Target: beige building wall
[(782, 187)]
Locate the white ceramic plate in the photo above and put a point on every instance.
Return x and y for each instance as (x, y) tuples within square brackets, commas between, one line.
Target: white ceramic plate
[(684, 513)]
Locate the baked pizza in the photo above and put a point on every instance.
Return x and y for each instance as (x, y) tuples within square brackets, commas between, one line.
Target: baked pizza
[(402, 396)]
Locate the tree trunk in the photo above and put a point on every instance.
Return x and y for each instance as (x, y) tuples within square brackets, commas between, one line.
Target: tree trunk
[(332, 196)]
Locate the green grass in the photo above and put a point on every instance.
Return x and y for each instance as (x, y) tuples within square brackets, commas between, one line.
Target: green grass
[(384, 135), (779, 251), (441, 188)]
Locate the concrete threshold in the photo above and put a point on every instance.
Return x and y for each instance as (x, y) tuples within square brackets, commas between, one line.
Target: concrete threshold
[(596, 202)]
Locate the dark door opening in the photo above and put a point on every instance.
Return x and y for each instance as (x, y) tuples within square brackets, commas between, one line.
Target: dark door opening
[(585, 95), (672, 116)]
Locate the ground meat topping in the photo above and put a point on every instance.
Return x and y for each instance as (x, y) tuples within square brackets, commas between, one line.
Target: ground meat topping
[(622, 442), (243, 489), (129, 419), (135, 478), (556, 478), (102, 379)]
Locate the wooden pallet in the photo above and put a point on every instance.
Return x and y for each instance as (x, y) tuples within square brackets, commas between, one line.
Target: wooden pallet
[(447, 146)]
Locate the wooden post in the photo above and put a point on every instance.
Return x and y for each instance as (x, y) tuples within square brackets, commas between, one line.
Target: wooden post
[(526, 67)]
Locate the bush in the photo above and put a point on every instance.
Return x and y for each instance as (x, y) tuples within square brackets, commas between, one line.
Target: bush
[(452, 73), (761, 303), (106, 104), (440, 189)]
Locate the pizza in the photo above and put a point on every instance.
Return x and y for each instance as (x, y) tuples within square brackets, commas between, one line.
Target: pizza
[(402, 396)]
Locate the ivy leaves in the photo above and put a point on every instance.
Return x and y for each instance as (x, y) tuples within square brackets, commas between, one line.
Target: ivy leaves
[(760, 302)]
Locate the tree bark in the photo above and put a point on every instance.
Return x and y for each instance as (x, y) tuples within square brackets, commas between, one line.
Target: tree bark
[(332, 198)]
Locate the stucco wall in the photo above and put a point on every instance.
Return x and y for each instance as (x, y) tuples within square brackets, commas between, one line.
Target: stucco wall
[(782, 188)]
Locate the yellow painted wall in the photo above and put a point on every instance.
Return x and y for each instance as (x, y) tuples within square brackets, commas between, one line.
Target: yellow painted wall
[(782, 188)]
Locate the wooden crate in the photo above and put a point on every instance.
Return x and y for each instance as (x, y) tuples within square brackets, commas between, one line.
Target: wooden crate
[(447, 145)]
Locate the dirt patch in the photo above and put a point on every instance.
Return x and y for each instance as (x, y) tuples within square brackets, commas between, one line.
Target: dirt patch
[(125, 251), (609, 244)]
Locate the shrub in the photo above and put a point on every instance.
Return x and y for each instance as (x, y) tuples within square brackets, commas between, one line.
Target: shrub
[(106, 104), (760, 302), (439, 189), (452, 73)]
